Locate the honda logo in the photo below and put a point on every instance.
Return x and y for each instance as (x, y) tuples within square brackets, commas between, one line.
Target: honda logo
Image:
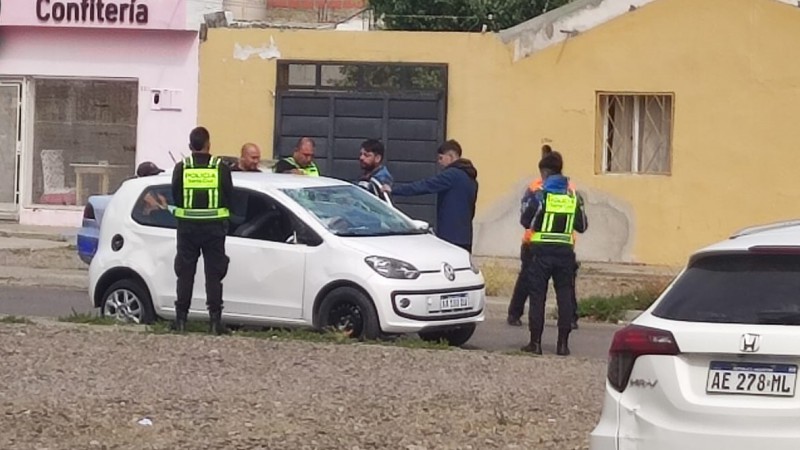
[(750, 343)]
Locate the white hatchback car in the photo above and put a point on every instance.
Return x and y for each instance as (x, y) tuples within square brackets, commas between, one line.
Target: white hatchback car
[(305, 251), (712, 364)]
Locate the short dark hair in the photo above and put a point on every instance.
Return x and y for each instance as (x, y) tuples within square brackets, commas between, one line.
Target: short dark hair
[(198, 139), (450, 146), (552, 162), (546, 149), (373, 146), (305, 139)]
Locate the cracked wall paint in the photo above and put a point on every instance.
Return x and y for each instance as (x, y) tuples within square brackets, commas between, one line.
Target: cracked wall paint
[(609, 237), (270, 51)]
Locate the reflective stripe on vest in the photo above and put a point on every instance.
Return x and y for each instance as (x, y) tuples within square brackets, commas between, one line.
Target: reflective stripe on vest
[(311, 170), (201, 179), (536, 185), (557, 206)]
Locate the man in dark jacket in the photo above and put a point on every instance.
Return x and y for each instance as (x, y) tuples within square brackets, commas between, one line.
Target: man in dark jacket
[(457, 191)]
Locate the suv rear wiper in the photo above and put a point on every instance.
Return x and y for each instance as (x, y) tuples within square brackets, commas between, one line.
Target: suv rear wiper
[(779, 318)]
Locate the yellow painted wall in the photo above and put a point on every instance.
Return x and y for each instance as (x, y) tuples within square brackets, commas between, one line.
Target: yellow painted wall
[(731, 64)]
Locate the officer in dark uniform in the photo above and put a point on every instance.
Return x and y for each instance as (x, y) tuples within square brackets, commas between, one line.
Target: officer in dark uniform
[(202, 189), (554, 213)]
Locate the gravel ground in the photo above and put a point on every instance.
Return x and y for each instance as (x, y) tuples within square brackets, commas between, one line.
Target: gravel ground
[(66, 386)]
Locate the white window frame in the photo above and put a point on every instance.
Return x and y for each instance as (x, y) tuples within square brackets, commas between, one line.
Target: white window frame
[(604, 102)]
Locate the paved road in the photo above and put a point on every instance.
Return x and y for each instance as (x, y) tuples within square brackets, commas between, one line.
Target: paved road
[(590, 341)]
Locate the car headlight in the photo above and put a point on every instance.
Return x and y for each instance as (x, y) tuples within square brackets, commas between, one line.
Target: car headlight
[(474, 267), (392, 268)]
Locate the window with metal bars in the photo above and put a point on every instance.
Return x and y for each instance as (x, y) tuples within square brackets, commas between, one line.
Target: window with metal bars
[(636, 133)]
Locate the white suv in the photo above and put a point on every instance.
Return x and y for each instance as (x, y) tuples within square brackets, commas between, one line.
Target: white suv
[(307, 251), (712, 364)]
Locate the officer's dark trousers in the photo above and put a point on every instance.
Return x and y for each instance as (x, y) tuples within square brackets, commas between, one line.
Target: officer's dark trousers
[(517, 305), (546, 261), (194, 238)]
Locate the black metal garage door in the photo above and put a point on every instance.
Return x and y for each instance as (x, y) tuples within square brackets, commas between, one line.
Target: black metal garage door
[(341, 105)]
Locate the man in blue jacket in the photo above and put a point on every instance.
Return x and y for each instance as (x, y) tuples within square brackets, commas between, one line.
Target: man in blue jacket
[(457, 192)]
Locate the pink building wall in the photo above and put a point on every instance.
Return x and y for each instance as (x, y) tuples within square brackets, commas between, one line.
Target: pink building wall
[(159, 59)]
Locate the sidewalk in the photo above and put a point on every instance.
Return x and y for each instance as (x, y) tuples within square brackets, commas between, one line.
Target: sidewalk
[(37, 232)]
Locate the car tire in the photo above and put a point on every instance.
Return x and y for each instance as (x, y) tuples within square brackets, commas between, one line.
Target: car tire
[(456, 336), (128, 300), (350, 311)]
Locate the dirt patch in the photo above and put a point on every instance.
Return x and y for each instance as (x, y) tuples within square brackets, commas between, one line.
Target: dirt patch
[(71, 386)]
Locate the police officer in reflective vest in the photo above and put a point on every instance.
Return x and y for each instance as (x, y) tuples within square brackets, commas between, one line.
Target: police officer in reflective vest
[(554, 214), (202, 189), (516, 306), (302, 160)]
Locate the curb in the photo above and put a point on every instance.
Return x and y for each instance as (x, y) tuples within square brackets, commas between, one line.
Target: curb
[(550, 309), (42, 236)]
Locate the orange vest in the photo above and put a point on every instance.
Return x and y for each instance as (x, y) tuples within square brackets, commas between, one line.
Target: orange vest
[(535, 186)]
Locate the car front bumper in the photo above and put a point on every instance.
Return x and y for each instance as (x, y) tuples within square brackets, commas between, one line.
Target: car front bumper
[(410, 306)]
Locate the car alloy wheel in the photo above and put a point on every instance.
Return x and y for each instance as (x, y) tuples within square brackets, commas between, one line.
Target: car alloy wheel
[(124, 305), (346, 318)]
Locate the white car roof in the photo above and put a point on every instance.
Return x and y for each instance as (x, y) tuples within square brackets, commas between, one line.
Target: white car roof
[(779, 234), (257, 180)]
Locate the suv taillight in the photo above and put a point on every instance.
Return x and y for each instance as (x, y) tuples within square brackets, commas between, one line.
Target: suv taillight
[(632, 342), (88, 211)]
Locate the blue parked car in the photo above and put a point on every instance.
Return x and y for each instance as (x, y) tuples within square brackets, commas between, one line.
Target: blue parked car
[(90, 227)]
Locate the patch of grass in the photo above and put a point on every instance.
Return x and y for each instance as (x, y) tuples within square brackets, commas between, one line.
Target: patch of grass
[(613, 308), (521, 353), (500, 279), (15, 319), (304, 334), (88, 318)]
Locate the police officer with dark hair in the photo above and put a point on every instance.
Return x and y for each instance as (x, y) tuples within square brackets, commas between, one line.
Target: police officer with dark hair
[(554, 213), (202, 189)]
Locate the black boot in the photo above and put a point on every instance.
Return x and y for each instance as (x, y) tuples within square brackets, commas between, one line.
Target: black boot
[(216, 326), (534, 347), (514, 321), (179, 325), (562, 346)]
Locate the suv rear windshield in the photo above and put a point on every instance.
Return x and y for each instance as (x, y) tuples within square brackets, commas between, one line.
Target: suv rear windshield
[(747, 288)]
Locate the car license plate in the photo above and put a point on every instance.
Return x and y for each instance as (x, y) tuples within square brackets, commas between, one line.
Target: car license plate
[(454, 301), (751, 378)]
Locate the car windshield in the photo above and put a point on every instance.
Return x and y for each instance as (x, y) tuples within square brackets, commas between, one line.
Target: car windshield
[(352, 211), (736, 288)]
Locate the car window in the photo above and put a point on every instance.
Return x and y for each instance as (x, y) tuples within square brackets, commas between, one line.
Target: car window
[(352, 211), (258, 216), (752, 288), (154, 207)]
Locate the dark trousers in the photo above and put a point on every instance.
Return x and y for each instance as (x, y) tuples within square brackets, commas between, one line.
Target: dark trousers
[(557, 262), (516, 307), (194, 238)]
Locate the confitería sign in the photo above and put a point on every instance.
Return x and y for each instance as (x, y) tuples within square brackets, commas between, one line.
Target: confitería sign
[(108, 14), (92, 11)]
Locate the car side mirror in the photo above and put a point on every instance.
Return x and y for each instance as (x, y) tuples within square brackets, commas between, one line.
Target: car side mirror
[(421, 225)]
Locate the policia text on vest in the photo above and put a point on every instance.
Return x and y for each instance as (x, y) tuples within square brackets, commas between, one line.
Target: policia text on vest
[(202, 189)]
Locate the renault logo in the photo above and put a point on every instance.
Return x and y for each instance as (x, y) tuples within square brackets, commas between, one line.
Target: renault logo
[(448, 271), (750, 343)]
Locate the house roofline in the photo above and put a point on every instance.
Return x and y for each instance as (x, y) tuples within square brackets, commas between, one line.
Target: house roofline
[(576, 17)]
